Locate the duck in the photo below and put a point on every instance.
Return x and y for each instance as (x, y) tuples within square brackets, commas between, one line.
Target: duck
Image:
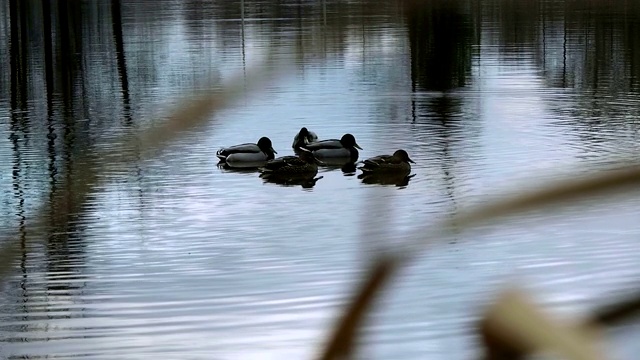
[(247, 155), (332, 150), (399, 163), (305, 164), (304, 137)]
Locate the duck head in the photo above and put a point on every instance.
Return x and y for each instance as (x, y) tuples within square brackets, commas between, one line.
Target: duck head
[(265, 145), (402, 155), (349, 141)]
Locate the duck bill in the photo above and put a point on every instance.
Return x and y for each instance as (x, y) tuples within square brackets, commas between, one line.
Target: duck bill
[(357, 146), (411, 161), (318, 161), (275, 152)]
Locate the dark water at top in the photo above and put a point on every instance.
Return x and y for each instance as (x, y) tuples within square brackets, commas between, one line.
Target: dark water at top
[(174, 257)]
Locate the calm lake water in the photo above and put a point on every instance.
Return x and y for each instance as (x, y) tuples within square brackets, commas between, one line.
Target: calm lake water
[(177, 258)]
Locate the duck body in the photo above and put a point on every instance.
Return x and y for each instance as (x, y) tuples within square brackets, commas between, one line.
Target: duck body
[(291, 166), (304, 137), (247, 155), (398, 163), (332, 151)]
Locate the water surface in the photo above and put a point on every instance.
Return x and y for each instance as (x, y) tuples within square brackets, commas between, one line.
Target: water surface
[(175, 257)]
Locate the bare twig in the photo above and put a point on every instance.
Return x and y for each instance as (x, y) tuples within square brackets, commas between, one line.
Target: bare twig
[(341, 342)]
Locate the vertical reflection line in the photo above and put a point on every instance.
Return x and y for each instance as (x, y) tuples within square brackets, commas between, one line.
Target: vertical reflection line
[(16, 98), (14, 48), (564, 49), (413, 103), (445, 111), (48, 48), (22, 11), (48, 60), (19, 194), (77, 31), (375, 222), (244, 65), (51, 134), (323, 33), (324, 12), (544, 36), (66, 64), (116, 21), (300, 35), (611, 44), (479, 18), (597, 35), (631, 49), (364, 41), (118, 38), (376, 217)]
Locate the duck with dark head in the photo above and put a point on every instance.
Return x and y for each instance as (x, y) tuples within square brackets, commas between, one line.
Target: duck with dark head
[(399, 162), (334, 151), (387, 169), (247, 155)]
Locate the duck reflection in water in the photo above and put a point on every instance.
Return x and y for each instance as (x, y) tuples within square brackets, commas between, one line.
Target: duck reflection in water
[(306, 182), (348, 168), (386, 179), (224, 166)]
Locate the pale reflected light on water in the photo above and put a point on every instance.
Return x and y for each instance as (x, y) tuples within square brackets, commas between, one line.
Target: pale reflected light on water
[(175, 257)]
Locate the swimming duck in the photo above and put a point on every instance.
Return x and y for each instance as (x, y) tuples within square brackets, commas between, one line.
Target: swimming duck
[(247, 155), (397, 163), (334, 149), (304, 137), (304, 164)]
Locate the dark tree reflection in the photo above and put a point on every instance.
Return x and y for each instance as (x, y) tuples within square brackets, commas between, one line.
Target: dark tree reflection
[(118, 39), (440, 36)]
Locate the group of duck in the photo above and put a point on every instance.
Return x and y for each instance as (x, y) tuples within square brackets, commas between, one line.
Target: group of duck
[(311, 152)]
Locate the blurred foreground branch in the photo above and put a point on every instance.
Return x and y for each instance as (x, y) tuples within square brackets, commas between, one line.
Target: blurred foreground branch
[(553, 196)]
